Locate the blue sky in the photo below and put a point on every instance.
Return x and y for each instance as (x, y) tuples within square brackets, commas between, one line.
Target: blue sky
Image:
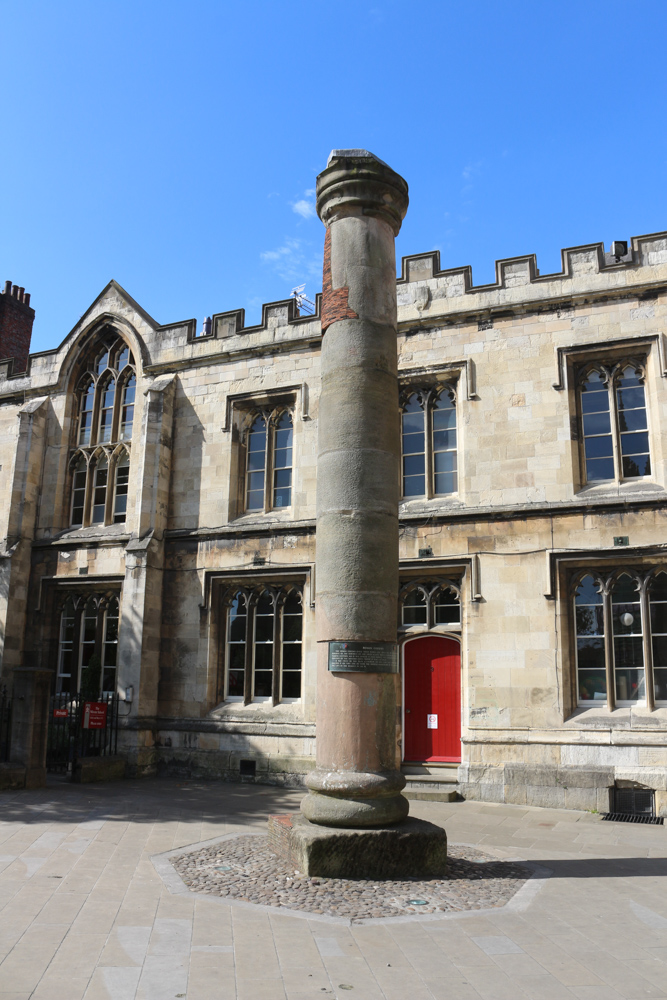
[(174, 146)]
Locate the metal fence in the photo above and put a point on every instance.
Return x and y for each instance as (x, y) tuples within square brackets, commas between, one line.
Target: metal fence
[(79, 727), (5, 724)]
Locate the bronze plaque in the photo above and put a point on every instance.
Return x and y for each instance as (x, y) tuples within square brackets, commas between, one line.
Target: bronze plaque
[(363, 657)]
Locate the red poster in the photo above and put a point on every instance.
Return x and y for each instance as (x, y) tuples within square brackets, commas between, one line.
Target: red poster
[(60, 713), (95, 715)]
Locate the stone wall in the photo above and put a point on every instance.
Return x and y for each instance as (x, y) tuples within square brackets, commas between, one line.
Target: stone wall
[(522, 518)]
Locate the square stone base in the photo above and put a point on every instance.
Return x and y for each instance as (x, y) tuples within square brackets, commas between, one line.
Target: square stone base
[(411, 849)]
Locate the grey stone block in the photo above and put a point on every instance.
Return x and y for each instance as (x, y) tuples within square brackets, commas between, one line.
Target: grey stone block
[(413, 848), (87, 769)]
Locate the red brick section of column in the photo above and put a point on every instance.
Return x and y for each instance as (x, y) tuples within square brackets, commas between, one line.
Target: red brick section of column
[(357, 782)]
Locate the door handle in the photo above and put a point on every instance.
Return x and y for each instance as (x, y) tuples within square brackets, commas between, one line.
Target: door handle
[(407, 711)]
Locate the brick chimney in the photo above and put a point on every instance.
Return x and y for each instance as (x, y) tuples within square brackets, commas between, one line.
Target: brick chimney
[(16, 319)]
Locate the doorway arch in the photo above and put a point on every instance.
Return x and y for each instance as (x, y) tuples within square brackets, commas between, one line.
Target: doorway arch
[(432, 699)]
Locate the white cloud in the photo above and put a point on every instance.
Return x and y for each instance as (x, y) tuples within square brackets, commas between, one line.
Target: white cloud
[(305, 207), (296, 261)]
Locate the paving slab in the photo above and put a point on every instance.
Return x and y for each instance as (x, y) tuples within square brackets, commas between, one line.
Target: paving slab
[(85, 913)]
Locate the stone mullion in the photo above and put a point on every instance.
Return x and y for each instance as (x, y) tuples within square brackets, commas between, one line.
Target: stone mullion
[(647, 645), (249, 652), (609, 649)]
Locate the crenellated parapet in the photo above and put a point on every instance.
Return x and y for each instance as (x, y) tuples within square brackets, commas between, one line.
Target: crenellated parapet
[(425, 290)]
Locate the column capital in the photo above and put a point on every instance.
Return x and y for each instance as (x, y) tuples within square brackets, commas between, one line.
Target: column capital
[(355, 182)]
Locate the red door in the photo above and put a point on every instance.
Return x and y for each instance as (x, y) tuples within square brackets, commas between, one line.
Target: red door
[(432, 729)]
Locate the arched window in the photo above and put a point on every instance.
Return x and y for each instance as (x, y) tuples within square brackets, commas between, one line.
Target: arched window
[(127, 409), (443, 417), (106, 415), (263, 648), (658, 615), (120, 492), (414, 449), (414, 609), (67, 674), (86, 413), (88, 645), (292, 628), (430, 604), (429, 444), (107, 397), (256, 465), (268, 460), (110, 646), (79, 490), (589, 614), (237, 623), (628, 641), (100, 481), (282, 462), (614, 423)]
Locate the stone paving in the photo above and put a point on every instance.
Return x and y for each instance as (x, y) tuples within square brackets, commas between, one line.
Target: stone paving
[(243, 868), (87, 915)]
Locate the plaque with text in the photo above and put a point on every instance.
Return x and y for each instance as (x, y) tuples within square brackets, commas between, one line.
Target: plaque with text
[(363, 657)]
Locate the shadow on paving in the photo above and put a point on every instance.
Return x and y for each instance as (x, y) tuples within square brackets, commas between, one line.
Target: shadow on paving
[(606, 867), (149, 800)]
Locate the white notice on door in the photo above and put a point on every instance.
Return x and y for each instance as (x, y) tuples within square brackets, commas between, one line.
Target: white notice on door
[(431, 721)]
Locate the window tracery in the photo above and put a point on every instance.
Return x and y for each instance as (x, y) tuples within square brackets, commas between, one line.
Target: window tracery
[(429, 442), (614, 421), (430, 603), (621, 637), (263, 643), (268, 464), (100, 463), (88, 644)]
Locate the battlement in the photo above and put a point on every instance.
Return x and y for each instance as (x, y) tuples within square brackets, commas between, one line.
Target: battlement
[(585, 269)]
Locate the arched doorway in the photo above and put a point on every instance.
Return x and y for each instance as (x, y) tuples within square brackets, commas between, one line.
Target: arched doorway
[(432, 699)]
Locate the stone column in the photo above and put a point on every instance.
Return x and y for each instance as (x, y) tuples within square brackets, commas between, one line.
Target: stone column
[(357, 782)]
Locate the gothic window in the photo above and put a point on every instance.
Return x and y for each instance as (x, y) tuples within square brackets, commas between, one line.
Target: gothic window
[(614, 422), (101, 464), (263, 661), (88, 644), (429, 444), (621, 638), (430, 603), (268, 472)]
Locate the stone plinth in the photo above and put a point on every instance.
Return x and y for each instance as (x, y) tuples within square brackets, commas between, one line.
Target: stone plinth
[(411, 849)]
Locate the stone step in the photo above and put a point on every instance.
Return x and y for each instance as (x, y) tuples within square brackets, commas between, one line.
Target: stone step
[(431, 783)]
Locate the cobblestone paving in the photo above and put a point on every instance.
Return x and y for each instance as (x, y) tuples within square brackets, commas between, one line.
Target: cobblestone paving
[(243, 868)]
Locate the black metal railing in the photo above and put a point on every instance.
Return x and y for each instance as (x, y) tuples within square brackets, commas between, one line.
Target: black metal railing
[(79, 727), (5, 724)]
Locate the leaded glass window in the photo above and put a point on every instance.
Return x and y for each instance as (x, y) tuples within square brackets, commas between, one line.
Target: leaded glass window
[(430, 604), (621, 637), (269, 461), (614, 423), (429, 443), (106, 398), (263, 644)]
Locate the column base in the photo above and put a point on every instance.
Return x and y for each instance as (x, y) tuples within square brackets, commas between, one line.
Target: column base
[(413, 849), (355, 798)]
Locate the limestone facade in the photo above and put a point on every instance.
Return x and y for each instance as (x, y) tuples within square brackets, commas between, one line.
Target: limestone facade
[(513, 534)]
